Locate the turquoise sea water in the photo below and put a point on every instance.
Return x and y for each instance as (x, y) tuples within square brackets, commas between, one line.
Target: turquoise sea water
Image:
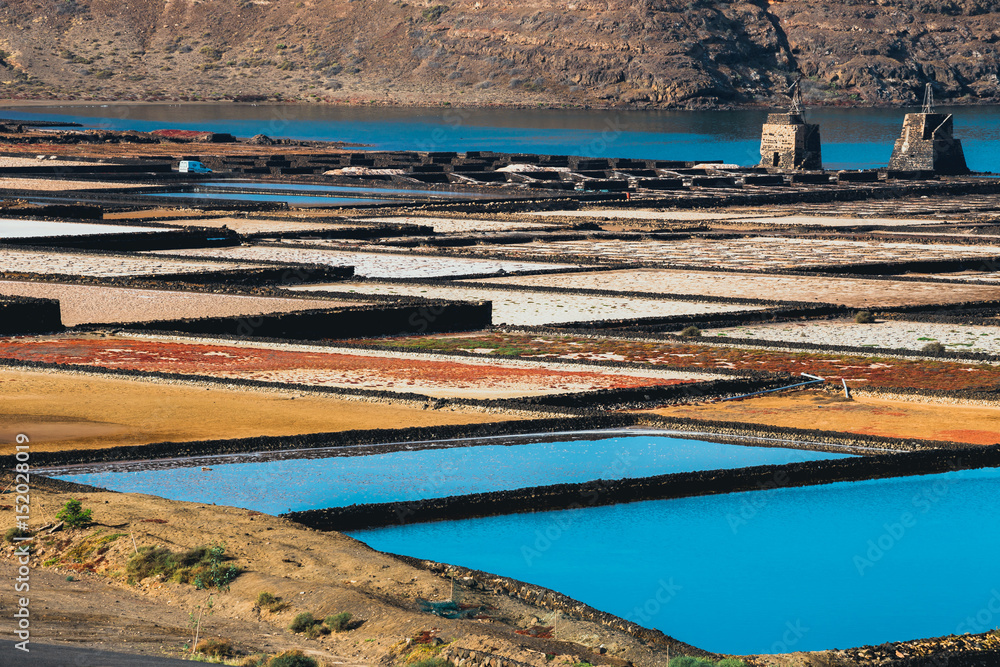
[(852, 138), (771, 571), (307, 483)]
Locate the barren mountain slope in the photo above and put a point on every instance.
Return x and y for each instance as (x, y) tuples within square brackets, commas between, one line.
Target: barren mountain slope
[(649, 53)]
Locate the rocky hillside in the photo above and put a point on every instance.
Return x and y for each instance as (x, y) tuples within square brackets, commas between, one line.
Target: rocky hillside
[(645, 53)]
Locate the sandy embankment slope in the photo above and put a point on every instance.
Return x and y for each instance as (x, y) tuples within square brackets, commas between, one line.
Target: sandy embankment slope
[(323, 573)]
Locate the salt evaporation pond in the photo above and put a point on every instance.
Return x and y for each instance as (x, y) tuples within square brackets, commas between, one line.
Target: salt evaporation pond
[(335, 478), (811, 568), (18, 229), (298, 200), (311, 187)]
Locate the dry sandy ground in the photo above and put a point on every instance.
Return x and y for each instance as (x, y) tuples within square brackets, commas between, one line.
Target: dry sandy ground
[(80, 304), (262, 226), (61, 411), (464, 226), (84, 264), (974, 276), (155, 213), (855, 293), (977, 425), (321, 573)]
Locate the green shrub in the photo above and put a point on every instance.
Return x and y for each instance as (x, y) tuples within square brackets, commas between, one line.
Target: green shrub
[(934, 347), (219, 648), (302, 622), (73, 514), (259, 660), (15, 532), (339, 622), (864, 317), (211, 53), (292, 659), (317, 630), (271, 602), (201, 566), (691, 332), (690, 661), (434, 13)]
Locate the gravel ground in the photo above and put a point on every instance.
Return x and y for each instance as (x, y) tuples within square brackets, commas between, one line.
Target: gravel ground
[(886, 334), (824, 221), (857, 293), (372, 265), (37, 184), (645, 214), (84, 304), (540, 308), (969, 276), (41, 161), (456, 226), (80, 264), (761, 252)]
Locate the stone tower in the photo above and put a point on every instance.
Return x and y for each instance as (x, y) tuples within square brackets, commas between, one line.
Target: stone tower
[(788, 142), (926, 143)]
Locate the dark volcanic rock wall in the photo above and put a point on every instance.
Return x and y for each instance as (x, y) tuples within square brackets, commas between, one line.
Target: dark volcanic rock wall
[(659, 53)]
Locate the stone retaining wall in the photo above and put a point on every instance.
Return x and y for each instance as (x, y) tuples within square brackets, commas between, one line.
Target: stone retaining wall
[(28, 315), (467, 657), (678, 485)]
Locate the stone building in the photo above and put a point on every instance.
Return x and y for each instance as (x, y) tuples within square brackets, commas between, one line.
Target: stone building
[(788, 142), (926, 144)]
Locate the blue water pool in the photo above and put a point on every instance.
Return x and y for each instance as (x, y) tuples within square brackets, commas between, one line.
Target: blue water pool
[(771, 571), (290, 199), (328, 480)]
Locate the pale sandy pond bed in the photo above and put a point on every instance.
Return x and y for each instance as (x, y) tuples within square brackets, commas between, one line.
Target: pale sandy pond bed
[(372, 264), (853, 292), (531, 308), (883, 334)]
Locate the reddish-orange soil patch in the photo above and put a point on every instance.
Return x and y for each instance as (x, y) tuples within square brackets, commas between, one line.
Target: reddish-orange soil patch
[(858, 371), (431, 377), (970, 424)]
